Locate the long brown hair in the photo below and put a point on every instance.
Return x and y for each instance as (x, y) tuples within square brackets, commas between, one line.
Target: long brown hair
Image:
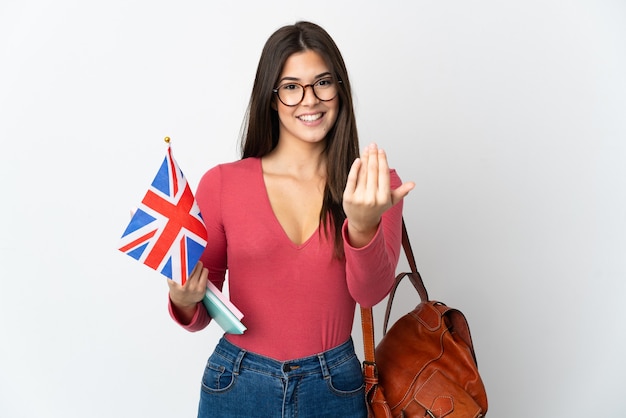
[(260, 130)]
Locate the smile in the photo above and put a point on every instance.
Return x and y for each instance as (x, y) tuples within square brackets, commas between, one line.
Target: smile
[(310, 118)]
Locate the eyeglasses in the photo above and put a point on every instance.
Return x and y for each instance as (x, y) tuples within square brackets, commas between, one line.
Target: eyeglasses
[(292, 94)]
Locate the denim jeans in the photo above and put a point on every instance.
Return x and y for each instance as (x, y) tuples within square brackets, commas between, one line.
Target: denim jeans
[(238, 383)]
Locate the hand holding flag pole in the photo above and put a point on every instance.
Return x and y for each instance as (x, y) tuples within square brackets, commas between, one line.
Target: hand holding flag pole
[(167, 234)]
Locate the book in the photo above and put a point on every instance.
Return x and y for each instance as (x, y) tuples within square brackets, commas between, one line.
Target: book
[(222, 311)]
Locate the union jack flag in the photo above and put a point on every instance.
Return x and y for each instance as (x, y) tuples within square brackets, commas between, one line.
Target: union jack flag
[(167, 232)]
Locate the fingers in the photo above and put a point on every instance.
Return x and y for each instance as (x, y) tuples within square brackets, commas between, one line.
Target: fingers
[(368, 172), (204, 277), (352, 177), (197, 267), (362, 181), (368, 188), (194, 277), (198, 278), (363, 175), (194, 288), (372, 170), (173, 285), (374, 178), (401, 192), (384, 179)]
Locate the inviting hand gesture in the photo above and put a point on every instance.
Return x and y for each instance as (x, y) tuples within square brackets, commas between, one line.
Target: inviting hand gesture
[(368, 194)]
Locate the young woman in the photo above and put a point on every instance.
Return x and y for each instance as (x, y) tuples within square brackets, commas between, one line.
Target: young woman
[(307, 227)]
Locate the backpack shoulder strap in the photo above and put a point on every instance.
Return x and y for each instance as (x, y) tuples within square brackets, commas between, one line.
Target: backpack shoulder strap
[(414, 276)]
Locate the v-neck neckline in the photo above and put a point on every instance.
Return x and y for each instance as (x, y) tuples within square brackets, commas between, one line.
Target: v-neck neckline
[(276, 221)]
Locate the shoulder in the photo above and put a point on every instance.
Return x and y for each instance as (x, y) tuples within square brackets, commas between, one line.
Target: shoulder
[(246, 164), (235, 169)]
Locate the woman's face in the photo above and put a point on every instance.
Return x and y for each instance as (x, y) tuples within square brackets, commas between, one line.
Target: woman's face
[(311, 119)]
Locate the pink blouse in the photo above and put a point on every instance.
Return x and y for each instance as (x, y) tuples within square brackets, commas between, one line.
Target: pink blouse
[(297, 300)]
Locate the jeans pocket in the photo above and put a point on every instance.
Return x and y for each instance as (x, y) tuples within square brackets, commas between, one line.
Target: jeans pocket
[(218, 374), (346, 378)]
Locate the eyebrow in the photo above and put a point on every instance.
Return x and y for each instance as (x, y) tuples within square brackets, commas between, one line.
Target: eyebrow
[(322, 75)]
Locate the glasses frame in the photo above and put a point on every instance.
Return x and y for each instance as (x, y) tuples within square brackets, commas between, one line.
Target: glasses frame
[(304, 86)]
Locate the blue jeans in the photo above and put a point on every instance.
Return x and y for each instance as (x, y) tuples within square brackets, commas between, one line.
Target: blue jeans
[(237, 383)]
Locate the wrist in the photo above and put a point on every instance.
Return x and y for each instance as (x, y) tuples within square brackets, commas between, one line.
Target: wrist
[(360, 236), (184, 306), (184, 313)]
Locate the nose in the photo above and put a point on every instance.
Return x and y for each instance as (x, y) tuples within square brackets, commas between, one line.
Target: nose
[(309, 96)]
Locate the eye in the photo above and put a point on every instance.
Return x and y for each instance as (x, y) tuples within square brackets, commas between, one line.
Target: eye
[(289, 87), (324, 82)]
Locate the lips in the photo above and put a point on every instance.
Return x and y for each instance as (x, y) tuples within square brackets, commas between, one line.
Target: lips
[(310, 117)]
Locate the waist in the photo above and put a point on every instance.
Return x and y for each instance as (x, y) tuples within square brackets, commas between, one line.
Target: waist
[(293, 367)]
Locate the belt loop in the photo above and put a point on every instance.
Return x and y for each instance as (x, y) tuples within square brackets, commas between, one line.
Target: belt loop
[(237, 364), (322, 358)]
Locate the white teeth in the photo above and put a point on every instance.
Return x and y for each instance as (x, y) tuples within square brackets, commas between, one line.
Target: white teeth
[(310, 118)]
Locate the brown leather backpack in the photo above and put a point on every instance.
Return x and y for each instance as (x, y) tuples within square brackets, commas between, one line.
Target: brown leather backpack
[(425, 365)]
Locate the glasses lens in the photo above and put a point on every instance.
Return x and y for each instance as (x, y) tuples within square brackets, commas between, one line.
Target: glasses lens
[(325, 89), (290, 94)]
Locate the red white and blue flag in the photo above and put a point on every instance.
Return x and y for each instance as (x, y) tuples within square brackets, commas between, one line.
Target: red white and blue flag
[(167, 232)]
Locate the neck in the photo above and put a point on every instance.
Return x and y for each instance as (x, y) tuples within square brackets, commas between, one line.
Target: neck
[(303, 160)]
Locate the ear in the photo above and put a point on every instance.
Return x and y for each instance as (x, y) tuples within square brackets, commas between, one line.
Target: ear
[(274, 105)]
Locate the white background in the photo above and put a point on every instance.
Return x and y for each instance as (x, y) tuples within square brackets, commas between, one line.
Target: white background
[(510, 116)]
